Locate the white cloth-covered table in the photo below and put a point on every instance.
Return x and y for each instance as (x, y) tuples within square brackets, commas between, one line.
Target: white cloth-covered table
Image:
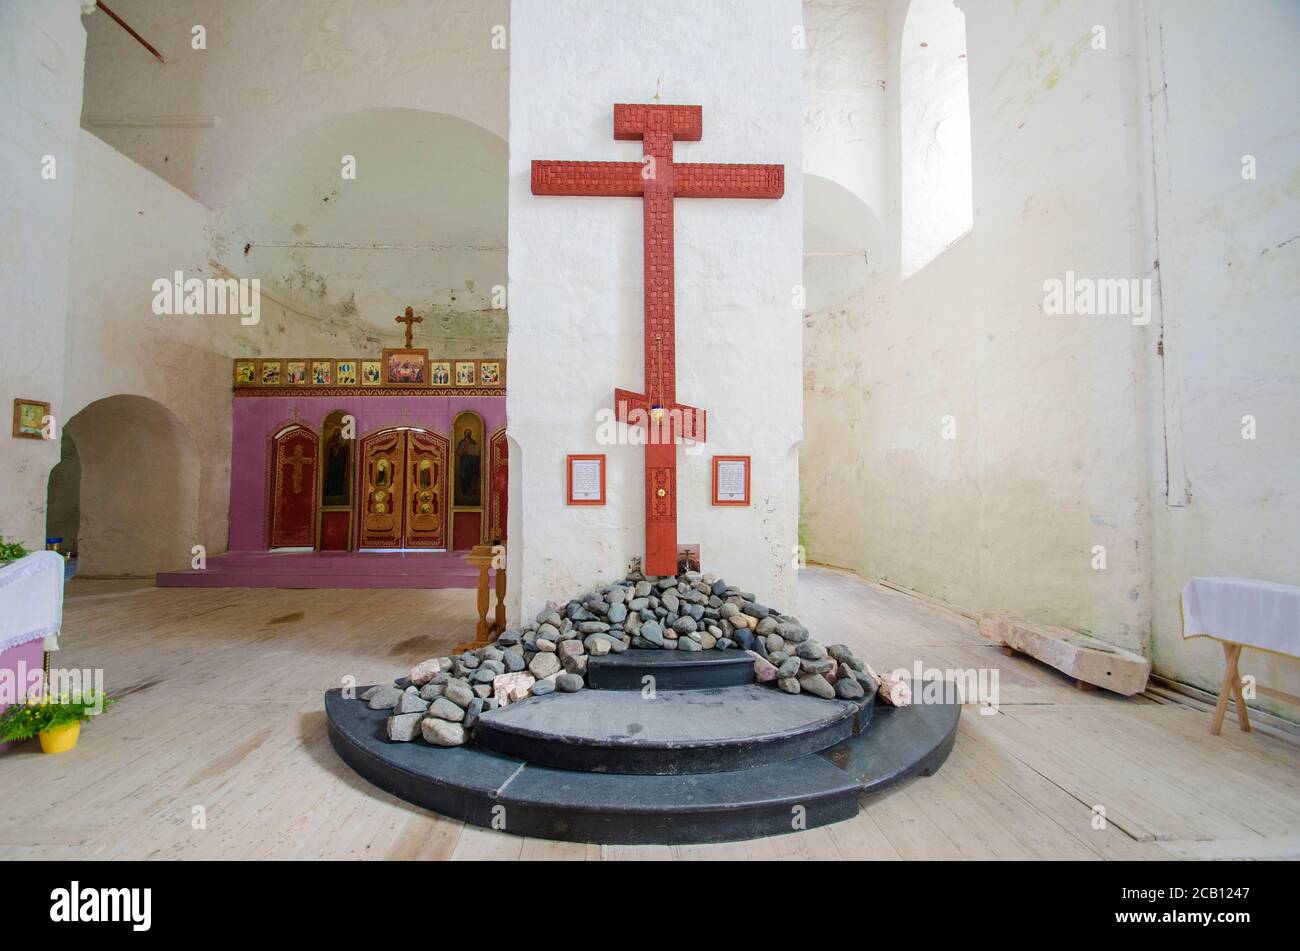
[(1243, 612), (1260, 614), (31, 600)]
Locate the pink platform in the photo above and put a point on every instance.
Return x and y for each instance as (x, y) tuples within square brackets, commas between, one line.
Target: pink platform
[(327, 569)]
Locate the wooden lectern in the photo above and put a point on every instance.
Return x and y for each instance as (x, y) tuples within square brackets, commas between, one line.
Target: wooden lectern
[(483, 556)]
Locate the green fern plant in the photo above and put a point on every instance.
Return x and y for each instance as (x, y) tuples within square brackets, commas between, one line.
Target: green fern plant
[(11, 551), (22, 721)]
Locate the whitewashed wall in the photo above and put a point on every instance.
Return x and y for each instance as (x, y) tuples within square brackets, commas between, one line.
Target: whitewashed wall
[(42, 50), (1230, 280), (132, 228), (293, 86), (1069, 428), (272, 70), (576, 285)]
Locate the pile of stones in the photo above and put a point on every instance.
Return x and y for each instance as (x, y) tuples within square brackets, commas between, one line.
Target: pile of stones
[(443, 697)]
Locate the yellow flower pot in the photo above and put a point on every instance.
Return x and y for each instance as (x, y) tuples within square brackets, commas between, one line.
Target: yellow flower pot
[(60, 739)]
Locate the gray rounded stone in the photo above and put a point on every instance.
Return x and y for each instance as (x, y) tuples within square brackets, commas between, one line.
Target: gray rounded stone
[(404, 727), (817, 685), (846, 688), (794, 633), (444, 709), (442, 733), (411, 703), (543, 665), (385, 698), (459, 693), (653, 632), (569, 683), (810, 650)]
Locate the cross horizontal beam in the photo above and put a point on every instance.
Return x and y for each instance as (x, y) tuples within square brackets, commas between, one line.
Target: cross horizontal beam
[(689, 179), (713, 180), (601, 179)]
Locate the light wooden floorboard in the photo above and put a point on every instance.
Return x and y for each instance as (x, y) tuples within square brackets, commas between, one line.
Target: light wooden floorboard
[(220, 716)]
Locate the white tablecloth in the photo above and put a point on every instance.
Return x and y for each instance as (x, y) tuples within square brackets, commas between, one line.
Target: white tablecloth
[(31, 600), (1261, 614)]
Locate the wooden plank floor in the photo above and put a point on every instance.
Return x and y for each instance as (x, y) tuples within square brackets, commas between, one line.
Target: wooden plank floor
[(217, 748)]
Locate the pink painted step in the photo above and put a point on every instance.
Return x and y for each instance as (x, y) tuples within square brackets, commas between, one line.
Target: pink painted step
[(326, 570)]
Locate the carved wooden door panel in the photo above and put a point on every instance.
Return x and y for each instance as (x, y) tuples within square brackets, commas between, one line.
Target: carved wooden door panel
[(294, 460), (426, 490), (383, 467), (498, 485)]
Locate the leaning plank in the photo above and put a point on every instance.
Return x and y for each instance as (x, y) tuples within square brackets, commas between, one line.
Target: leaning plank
[(1085, 658)]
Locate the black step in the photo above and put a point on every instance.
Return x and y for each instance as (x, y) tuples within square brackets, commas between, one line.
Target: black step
[(671, 670), (485, 789), (675, 732), (497, 792)]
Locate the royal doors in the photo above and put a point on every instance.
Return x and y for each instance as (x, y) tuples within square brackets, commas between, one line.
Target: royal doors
[(403, 482)]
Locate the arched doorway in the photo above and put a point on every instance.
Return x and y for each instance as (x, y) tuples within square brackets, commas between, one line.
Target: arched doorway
[(63, 500), (468, 480), (138, 505), (293, 482), (336, 473), (404, 488)]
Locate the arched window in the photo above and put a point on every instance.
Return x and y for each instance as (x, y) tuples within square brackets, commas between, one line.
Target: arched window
[(935, 146)]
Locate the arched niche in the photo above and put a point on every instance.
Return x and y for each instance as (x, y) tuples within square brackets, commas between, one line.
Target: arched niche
[(337, 481), (469, 457), (138, 505)]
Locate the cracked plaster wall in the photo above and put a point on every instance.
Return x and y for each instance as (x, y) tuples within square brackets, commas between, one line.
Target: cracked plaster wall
[(1069, 428)]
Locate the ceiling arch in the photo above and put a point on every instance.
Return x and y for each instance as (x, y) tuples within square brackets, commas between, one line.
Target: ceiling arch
[(421, 222)]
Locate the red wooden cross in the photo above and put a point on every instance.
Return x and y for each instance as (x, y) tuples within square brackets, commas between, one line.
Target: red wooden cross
[(657, 179)]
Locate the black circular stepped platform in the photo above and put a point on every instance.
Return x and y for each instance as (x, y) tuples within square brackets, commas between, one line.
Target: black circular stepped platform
[(676, 732), (670, 670), (757, 783)]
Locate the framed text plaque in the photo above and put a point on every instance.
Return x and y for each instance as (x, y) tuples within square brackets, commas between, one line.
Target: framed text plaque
[(586, 479), (731, 480)]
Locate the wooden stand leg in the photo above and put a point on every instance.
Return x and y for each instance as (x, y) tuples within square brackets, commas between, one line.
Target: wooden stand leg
[(500, 624), (481, 631), (1243, 718), (1231, 687)]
